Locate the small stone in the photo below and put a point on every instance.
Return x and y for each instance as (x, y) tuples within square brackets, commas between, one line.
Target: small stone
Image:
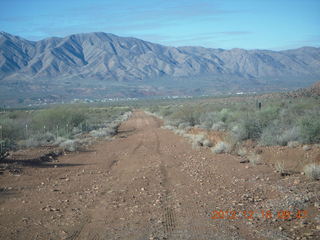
[(281, 228), (244, 161), (296, 181), (306, 147)]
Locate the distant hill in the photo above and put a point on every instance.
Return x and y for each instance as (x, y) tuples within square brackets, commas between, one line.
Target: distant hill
[(102, 64), (313, 91)]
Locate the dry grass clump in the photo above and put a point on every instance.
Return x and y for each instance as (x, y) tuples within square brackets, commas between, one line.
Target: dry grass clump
[(293, 144), (254, 158), (168, 127), (104, 132), (280, 168), (69, 145), (207, 143), (312, 171), (197, 140), (221, 147), (242, 152), (179, 132)]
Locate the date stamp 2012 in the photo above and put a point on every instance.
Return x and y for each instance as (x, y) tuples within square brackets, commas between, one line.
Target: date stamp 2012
[(251, 214)]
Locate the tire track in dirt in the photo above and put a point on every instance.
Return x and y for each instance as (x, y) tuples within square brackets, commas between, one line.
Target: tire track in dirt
[(157, 144), (137, 147), (188, 219), (75, 235), (99, 225), (168, 216)]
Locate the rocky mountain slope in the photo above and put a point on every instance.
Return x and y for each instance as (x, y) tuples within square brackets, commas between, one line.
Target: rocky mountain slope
[(313, 91), (101, 60)]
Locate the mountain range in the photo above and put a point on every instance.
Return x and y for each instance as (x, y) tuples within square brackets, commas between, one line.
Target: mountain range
[(105, 65)]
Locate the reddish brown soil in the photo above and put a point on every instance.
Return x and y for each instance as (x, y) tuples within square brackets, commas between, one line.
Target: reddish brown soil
[(148, 183)]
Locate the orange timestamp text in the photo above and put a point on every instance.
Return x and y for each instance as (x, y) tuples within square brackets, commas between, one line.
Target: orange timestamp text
[(251, 214)]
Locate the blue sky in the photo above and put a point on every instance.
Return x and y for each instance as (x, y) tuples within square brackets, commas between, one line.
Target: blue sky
[(250, 24)]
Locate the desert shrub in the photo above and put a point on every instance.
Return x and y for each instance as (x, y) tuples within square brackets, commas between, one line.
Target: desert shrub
[(12, 129), (45, 139), (219, 126), (293, 144), (207, 119), (248, 128), (312, 171), (310, 128), (280, 167), (59, 140), (169, 127), (187, 114), (69, 145), (207, 143), (104, 132), (242, 151), (154, 108), (197, 140), (254, 159), (224, 114), (7, 145), (267, 115), (252, 128), (179, 132), (270, 136), (183, 125), (221, 147), (289, 135), (61, 118), (165, 111)]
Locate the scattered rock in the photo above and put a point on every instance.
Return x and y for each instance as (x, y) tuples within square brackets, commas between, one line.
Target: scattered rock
[(244, 161)]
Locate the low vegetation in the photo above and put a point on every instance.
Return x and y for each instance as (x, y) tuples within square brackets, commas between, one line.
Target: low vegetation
[(312, 171), (69, 126), (278, 122)]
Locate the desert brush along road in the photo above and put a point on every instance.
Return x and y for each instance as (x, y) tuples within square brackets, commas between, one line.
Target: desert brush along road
[(147, 183)]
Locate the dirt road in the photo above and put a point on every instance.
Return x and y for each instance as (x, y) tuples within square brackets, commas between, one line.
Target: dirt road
[(147, 183)]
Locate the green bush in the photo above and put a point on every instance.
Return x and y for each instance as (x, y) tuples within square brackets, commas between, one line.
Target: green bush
[(20, 128), (188, 114), (250, 128), (310, 128), (278, 122), (61, 117)]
